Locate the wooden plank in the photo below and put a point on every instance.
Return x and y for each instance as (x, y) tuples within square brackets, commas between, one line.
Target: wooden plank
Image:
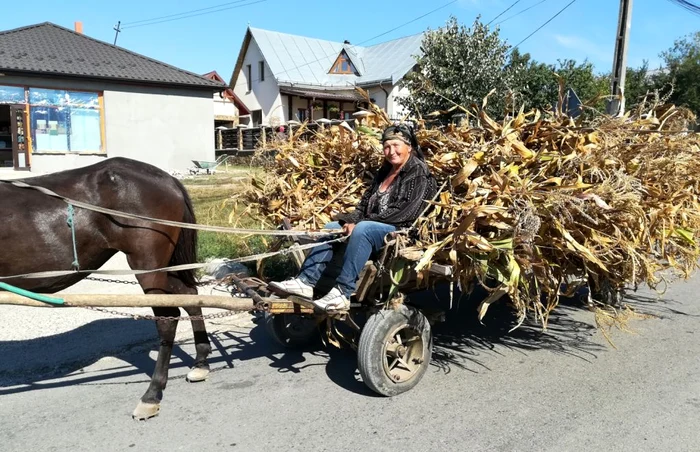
[(134, 301)]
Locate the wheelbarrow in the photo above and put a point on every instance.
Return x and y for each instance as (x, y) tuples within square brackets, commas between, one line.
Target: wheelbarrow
[(208, 167)]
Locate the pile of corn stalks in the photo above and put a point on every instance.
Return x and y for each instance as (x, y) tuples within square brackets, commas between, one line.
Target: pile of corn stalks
[(530, 205)]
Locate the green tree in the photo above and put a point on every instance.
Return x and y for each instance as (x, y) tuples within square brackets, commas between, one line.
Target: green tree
[(683, 72), (460, 64), (537, 84)]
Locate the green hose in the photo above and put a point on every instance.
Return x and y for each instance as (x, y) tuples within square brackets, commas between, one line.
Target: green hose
[(32, 295)]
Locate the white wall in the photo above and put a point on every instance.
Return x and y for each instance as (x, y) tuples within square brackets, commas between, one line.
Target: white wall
[(224, 107), (264, 95), (396, 110), (167, 127)]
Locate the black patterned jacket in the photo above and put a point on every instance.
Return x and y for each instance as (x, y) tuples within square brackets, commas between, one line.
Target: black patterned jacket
[(410, 188)]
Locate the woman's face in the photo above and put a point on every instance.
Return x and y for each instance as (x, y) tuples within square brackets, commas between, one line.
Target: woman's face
[(396, 152)]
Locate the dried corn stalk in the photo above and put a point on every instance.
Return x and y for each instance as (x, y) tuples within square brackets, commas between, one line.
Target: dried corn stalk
[(532, 202)]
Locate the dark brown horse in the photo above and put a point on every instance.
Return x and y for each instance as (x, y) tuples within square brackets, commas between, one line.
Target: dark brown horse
[(35, 237)]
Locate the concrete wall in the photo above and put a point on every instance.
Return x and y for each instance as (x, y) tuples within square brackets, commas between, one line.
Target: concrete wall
[(224, 107), (264, 95), (397, 110), (167, 127)]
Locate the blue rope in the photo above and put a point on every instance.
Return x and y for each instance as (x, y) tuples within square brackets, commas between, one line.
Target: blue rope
[(71, 223)]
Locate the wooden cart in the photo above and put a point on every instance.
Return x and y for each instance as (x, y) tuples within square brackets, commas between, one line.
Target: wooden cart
[(392, 336)]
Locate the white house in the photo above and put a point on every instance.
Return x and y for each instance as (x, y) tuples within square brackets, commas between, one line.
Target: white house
[(68, 100), (282, 77), (229, 111)]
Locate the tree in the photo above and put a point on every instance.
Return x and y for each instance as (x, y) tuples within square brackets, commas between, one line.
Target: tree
[(461, 65), (537, 84), (683, 72)]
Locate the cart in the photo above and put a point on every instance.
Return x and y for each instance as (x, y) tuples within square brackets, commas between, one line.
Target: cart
[(392, 336), (208, 167)]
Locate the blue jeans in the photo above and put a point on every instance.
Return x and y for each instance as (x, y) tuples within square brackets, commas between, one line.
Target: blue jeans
[(367, 237)]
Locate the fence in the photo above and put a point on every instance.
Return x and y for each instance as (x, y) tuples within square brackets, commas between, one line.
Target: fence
[(245, 140)]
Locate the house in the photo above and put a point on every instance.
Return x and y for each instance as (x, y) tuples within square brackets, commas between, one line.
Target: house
[(228, 108), (282, 77), (68, 100)]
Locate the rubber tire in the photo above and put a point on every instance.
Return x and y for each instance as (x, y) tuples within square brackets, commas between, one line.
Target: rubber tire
[(370, 358), (276, 326)]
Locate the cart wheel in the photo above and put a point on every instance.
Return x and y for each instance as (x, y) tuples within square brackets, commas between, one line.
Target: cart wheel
[(395, 350), (292, 330)]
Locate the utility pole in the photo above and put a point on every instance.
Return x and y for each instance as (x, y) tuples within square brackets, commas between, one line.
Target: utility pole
[(117, 29), (617, 106)]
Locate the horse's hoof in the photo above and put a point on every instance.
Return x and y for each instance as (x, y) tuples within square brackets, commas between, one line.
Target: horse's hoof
[(145, 411), (197, 374)]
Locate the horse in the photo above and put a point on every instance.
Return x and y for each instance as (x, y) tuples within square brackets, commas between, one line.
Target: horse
[(36, 236)]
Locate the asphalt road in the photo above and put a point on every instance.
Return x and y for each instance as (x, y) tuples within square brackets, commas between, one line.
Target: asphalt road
[(70, 383)]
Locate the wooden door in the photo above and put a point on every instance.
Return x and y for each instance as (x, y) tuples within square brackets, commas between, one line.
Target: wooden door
[(20, 148)]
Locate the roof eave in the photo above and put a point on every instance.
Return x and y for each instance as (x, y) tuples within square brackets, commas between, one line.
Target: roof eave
[(241, 56), (24, 73)]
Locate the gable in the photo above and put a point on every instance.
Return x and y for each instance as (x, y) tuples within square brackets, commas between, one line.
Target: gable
[(343, 65), (49, 49)]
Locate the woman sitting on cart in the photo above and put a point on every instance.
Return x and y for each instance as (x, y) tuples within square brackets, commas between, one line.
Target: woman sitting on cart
[(395, 199)]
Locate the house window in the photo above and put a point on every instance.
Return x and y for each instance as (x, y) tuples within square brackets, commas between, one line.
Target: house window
[(343, 65), (301, 114), (65, 121), (249, 76), (261, 66)]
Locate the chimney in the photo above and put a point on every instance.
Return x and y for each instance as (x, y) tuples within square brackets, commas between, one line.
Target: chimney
[(79, 27)]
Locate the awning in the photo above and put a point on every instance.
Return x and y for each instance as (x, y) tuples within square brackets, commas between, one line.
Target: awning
[(321, 94)]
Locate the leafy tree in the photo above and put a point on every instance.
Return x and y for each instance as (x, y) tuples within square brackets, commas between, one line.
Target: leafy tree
[(683, 72), (460, 65)]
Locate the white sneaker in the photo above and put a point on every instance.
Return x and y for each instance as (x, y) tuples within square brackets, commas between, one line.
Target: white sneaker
[(294, 286), (333, 301)]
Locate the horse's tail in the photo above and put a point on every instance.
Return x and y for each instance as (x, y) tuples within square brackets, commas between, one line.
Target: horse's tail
[(186, 247)]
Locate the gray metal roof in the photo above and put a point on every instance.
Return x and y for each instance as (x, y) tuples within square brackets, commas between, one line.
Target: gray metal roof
[(47, 48), (306, 61)]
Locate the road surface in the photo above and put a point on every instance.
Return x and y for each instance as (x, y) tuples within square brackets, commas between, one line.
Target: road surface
[(69, 381)]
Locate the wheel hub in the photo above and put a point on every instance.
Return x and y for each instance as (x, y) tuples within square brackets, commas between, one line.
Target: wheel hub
[(403, 353)]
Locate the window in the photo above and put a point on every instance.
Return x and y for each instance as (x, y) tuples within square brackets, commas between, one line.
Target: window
[(65, 121), (11, 95), (343, 65), (261, 67), (301, 114), (249, 76)]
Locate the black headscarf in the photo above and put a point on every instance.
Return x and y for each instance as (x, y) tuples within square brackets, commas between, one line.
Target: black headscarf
[(406, 133)]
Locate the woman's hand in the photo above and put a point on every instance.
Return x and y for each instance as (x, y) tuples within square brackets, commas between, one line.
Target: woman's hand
[(348, 227)]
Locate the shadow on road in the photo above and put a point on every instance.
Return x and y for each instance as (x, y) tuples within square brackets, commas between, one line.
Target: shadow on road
[(460, 343)]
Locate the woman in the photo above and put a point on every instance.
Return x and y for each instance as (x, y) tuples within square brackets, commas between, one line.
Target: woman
[(394, 200)]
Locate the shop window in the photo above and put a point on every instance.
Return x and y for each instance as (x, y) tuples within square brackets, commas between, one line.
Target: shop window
[(11, 95), (65, 121)]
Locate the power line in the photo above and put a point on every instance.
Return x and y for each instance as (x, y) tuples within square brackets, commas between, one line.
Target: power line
[(542, 26), (194, 15), (504, 11), (184, 12), (409, 22), (520, 12), (363, 42), (690, 6)]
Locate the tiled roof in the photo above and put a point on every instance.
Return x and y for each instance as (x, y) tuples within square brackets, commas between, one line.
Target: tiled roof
[(298, 60), (47, 48)]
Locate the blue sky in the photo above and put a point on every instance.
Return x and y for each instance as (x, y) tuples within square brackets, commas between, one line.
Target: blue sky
[(212, 41)]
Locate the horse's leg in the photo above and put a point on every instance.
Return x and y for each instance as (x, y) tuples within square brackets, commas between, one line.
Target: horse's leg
[(200, 369), (155, 283), (149, 405)]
